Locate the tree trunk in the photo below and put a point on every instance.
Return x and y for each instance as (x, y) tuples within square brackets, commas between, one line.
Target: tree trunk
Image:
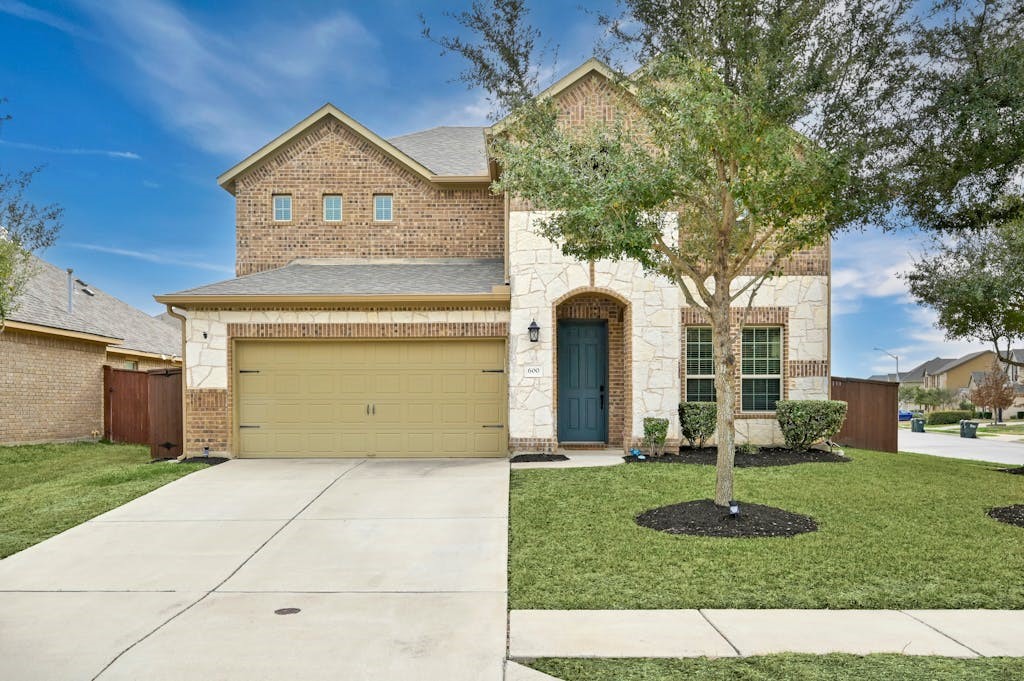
[(725, 388)]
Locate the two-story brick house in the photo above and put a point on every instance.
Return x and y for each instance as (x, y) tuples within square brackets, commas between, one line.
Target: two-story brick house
[(388, 303)]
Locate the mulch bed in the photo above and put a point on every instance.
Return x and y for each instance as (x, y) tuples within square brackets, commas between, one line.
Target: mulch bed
[(704, 519), (1011, 515), (1019, 470), (209, 460), (766, 456), (534, 458)]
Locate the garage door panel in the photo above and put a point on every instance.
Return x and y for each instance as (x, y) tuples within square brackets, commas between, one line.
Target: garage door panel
[(430, 398)]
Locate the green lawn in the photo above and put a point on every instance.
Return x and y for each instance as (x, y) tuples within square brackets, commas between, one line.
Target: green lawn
[(45, 489), (788, 667), (896, 531)]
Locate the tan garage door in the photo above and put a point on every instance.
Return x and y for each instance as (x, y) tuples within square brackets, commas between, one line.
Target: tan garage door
[(371, 398)]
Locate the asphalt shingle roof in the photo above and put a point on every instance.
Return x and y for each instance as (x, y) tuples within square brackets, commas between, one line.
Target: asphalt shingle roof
[(447, 150), (45, 302), (354, 278)]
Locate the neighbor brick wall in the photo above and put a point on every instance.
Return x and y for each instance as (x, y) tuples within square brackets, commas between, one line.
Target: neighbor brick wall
[(429, 221), (51, 388), (142, 363)]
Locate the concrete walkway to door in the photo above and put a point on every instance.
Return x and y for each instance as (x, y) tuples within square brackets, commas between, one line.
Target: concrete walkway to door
[(396, 569)]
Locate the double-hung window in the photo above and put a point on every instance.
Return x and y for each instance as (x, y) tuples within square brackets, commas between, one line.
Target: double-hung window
[(761, 367), (332, 207), (700, 365), (282, 207), (382, 207)]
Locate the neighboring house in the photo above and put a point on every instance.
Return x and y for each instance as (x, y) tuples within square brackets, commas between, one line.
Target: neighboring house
[(955, 374), (914, 377), (387, 303), (53, 349)]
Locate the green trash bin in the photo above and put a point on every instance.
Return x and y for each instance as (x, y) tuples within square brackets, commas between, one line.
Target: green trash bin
[(917, 425), (969, 429)]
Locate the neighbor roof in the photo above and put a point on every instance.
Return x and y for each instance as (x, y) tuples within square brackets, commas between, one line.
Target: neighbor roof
[(359, 278), (953, 363), (930, 367), (447, 150), (44, 302)]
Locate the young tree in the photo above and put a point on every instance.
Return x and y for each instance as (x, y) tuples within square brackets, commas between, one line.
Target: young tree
[(965, 131), (995, 390), (754, 130), (24, 228), (974, 283)]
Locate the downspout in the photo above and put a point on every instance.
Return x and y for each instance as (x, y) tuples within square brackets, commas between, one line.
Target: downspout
[(184, 385)]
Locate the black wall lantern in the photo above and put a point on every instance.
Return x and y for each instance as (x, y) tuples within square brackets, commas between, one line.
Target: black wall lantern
[(534, 330)]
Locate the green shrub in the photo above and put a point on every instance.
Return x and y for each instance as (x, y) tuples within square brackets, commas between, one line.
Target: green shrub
[(748, 449), (697, 421), (940, 418), (804, 422), (966, 406), (655, 433)]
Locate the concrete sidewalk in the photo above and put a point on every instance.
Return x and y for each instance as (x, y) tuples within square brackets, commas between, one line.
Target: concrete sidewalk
[(955, 447), (270, 570), (731, 633)]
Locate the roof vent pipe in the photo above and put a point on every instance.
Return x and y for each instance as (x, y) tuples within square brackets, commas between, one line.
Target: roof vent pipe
[(71, 289)]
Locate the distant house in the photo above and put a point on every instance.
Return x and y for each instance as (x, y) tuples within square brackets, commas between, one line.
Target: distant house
[(53, 349), (914, 377), (956, 374)]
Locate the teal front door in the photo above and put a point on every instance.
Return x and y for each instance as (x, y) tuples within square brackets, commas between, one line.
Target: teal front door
[(582, 381)]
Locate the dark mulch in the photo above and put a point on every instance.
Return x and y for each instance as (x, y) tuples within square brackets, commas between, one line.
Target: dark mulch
[(766, 456), (703, 518), (1019, 470), (1012, 515), (532, 458), (209, 460)]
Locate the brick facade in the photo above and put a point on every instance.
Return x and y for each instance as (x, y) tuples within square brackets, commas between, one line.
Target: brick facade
[(52, 388), (207, 420), (429, 221)]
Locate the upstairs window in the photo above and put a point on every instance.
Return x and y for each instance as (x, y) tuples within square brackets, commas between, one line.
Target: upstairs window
[(282, 207), (382, 207), (332, 207), (761, 368), (700, 365)]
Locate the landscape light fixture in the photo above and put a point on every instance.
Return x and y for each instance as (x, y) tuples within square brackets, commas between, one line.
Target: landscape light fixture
[(734, 508), (534, 330)]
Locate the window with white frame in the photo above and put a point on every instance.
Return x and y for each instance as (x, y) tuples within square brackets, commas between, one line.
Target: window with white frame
[(761, 368), (382, 207), (282, 207), (332, 207), (700, 365)]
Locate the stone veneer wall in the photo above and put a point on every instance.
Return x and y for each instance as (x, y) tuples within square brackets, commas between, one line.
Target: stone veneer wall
[(208, 360), (51, 388), (541, 278)]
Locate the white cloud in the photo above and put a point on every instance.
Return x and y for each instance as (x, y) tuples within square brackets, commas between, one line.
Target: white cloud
[(229, 90), (866, 265), (74, 151), (160, 258), (29, 13)]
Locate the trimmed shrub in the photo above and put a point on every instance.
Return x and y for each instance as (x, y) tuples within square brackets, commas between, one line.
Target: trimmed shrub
[(697, 421), (655, 434), (748, 449), (941, 418), (804, 422)]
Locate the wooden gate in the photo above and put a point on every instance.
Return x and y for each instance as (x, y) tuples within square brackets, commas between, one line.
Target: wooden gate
[(872, 418), (143, 407)]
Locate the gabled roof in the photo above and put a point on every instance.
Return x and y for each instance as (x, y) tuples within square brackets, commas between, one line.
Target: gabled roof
[(447, 150), (355, 279), (227, 179), (891, 378), (954, 363), (930, 368), (44, 304), (592, 65)]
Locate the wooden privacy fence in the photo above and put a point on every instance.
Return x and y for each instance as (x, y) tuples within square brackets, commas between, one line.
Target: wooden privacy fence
[(872, 419), (143, 407)]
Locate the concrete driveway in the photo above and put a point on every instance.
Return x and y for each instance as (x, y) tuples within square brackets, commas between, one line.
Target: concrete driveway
[(955, 447), (396, 568)]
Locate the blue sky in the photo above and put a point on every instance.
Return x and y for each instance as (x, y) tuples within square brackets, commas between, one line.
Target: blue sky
[(135, 106)]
